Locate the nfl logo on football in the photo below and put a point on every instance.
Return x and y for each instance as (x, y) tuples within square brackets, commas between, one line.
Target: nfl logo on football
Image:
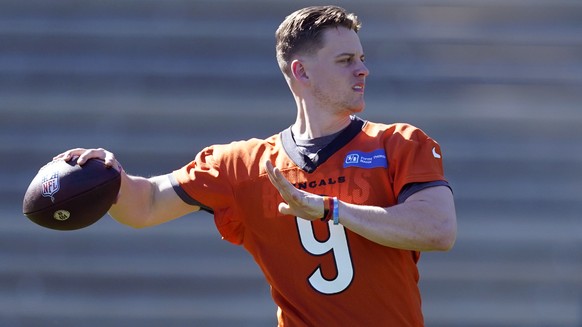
[(50, 185)]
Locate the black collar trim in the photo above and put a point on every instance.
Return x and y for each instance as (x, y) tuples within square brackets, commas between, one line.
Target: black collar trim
[(309, 165)]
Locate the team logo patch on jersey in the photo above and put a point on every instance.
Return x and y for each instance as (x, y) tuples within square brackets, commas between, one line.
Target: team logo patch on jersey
[(374, 159)]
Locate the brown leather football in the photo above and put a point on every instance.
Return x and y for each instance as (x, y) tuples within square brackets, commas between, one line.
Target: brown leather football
[(66, 196)]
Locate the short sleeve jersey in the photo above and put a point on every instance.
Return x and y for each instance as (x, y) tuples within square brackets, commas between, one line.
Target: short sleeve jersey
[(320, 274)]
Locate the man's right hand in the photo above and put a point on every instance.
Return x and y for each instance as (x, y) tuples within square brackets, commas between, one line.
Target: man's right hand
[(85, 154)]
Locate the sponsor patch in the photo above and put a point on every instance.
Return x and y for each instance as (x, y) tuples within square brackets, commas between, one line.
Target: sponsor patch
[(374, 159)]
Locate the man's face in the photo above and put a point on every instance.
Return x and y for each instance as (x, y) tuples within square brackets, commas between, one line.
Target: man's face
[(337, 72)]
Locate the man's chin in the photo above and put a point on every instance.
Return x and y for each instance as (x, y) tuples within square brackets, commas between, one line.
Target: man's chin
[(358, 108)]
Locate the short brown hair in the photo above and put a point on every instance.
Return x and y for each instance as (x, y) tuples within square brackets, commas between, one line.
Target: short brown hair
[(300, 32)]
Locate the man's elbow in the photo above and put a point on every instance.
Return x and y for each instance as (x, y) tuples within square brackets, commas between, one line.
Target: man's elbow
[(131, 221), (446, 236)]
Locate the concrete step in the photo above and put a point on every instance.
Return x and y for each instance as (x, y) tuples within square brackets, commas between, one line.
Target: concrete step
[(497, 83), (501, 304), (125, 43)]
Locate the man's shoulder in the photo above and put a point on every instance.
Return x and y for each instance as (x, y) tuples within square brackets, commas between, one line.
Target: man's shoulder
[(247, 151), (253, 143), (405, 130)]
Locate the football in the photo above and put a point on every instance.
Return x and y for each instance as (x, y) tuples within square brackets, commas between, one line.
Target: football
[(66, 196)]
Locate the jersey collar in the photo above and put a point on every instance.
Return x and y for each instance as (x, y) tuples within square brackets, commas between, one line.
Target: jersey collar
[(309, 165)]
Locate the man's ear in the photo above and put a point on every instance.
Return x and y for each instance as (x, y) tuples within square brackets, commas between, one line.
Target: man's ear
[(298, 71)]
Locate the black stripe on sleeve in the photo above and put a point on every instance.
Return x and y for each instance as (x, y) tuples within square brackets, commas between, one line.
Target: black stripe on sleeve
[(184, 196), (412, 188)]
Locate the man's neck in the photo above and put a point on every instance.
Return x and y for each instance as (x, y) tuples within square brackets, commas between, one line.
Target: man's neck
[(314, 124)]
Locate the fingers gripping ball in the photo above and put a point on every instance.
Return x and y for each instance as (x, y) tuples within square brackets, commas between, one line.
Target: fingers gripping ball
[(66, 196)]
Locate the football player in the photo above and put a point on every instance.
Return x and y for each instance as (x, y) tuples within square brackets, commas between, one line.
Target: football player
[(334, 209)]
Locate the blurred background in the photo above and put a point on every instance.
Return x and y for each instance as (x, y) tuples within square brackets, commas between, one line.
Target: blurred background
[(497, 83)]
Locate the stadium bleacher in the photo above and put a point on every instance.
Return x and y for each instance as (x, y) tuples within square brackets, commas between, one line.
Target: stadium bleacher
[(497, 83)]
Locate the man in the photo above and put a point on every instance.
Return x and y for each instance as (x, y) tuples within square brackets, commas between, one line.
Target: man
[(357, 201)]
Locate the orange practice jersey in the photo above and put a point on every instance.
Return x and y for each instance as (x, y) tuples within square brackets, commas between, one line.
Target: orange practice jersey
[(320, 274)]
